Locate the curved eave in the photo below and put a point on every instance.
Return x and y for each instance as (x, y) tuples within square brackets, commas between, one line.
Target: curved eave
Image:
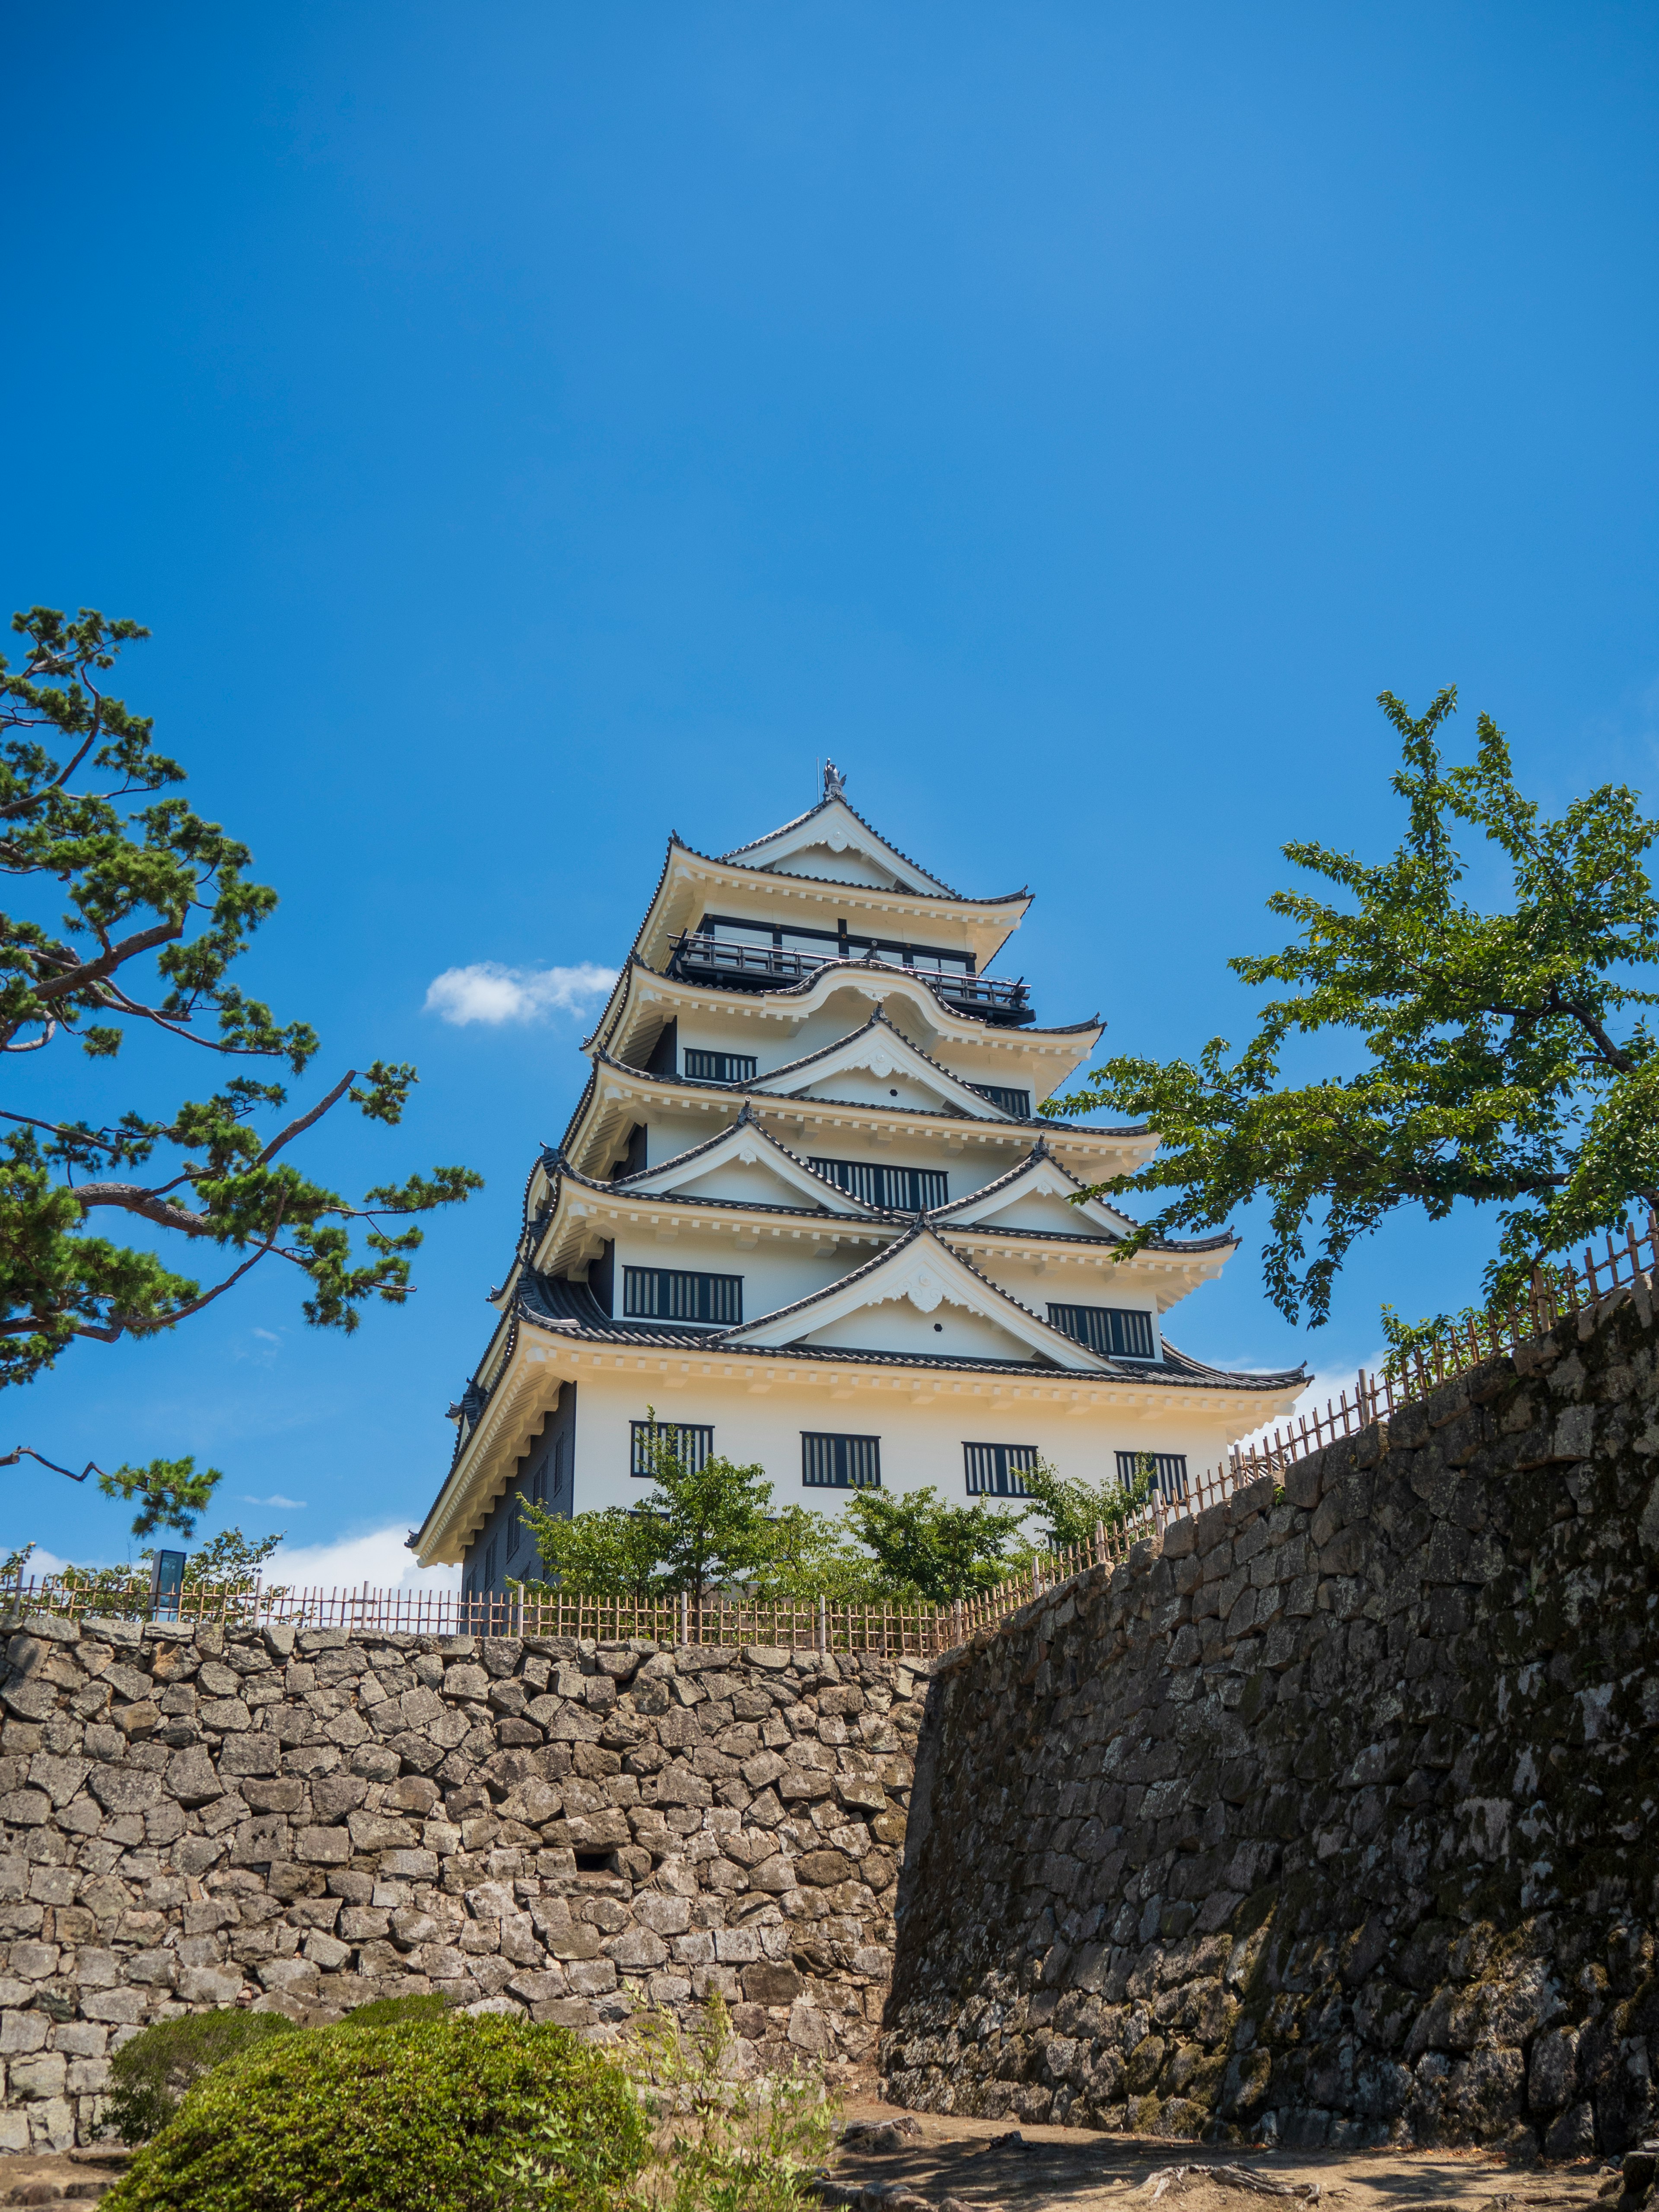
[(623, 1028), (575, 1225), (610, 1081), (989, 923)]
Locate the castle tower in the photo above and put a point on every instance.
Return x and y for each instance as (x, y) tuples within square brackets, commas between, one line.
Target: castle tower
[(806, 1210)]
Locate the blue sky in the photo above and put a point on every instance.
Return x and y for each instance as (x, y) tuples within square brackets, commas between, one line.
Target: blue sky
[(530, 429)]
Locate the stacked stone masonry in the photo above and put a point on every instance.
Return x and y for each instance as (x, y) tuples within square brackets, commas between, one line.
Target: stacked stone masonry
[(1335, 1816), (193, 1818)]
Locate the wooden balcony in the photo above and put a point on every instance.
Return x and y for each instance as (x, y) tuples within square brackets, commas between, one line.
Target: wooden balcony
[(704, 959)]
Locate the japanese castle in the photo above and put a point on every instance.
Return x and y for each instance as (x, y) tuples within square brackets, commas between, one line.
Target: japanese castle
[(807, 1213)]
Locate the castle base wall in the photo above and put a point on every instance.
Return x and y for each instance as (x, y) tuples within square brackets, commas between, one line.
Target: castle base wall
[(1335, 1818), (192, 1818)]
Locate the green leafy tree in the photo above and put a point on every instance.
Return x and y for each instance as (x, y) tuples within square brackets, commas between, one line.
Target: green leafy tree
[(940, 1552), (230, 1562), (1505, 1056), (812, 1555), (1071, 1509), (171, 1492), (153, 906), (696, 1529), (614, 1553), (713, 1520)]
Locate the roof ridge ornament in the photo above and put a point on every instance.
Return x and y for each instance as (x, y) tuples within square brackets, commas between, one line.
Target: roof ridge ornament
[(835, 783)]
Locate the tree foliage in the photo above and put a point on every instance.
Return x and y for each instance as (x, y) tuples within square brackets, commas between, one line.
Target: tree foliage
[(156, 906), (717, 1527), (937, 1551), (1071, 1510), (1505, 1056), (468, 2115), (696, 1529)]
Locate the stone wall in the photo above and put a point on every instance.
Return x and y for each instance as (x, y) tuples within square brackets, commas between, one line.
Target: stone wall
[(1334, 1817), (195, 1819)]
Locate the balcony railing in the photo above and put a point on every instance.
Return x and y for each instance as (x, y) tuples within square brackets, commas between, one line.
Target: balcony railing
[(754, 966)]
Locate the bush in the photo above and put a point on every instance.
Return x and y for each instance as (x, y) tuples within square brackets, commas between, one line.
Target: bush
[(148, 2076), (454, 2115), (726, 2144), (396, 2012)]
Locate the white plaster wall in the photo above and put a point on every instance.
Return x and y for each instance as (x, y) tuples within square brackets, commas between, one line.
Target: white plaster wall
[(1067, 1284), (920, 1444), (775, 1272)]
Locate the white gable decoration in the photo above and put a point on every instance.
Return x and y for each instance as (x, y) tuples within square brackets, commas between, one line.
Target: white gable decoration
[(831, 840), (1037, 1195), (745, 1163), (924, 1272), (887, 1057)]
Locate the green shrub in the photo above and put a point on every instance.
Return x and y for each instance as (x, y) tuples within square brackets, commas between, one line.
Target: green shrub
[(452, 2115), (148, 2076), (396, 2012), (725, 2144)]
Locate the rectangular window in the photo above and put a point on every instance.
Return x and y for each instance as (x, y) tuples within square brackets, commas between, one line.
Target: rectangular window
[(719, 1066), (1119, 1332), (1017, 1103), (692, 1442), (829, 1463), (901, 1190), (998, 1470), (489, 1565), (738, 932), (1169, 1472), (678, 1294)]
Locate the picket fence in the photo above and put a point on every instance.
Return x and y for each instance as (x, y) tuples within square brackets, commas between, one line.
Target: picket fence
[(919, 1632)]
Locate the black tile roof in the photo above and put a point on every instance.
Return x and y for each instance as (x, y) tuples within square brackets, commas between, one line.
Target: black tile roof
[(571, 1309), (625, 1185), (841, 883)]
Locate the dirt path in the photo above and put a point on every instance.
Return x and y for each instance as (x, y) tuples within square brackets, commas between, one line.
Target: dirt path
[(985, 2163)]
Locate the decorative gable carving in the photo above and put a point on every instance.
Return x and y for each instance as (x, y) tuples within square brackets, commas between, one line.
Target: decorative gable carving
[(925, 1278), (1036, 1195), (745, 1163), (882, 1059)]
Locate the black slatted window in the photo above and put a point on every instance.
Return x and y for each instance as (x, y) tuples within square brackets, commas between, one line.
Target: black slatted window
[(901, 1190), (692, 1442), (1167, 1470), (719, 1066), (680, 1294), (835, 1463), (998, 1470), (1017, 1103), (1119, 1332)]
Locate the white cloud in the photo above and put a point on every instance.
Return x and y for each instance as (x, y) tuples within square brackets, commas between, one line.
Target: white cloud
[(283, 1504), (380, 1557), (1323, 1390), (486, 992)]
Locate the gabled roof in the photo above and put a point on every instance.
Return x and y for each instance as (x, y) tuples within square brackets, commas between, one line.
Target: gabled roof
[(745, 1141), (834, 824), (883, 1049), (600, 1107), (690, 881), (1039, 1172), (921, 1267)]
